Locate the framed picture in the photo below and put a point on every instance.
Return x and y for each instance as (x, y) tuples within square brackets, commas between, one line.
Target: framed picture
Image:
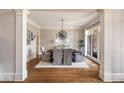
[(32, 36), (28, 37)]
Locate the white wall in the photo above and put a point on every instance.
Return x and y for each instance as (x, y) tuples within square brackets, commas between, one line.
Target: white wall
[(13, 26), (48, 37), (31, 49), (13, 30), (118, 44), (7, 45), (112, 46)]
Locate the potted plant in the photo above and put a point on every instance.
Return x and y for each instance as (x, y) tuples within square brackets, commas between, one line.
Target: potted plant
[(81, 46)]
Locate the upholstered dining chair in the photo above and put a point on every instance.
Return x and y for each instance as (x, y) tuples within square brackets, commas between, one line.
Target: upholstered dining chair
[(67, 57), (57, 56)]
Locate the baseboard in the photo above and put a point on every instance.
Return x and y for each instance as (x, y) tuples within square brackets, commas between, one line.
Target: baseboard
[(93, 59), (111, 77), (7, 76), (18, 77), (117, 76), (31, 64), (107, 77), (11, 77)]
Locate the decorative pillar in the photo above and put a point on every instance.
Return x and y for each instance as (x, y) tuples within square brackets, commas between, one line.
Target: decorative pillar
[(21, 45), (105, 45)]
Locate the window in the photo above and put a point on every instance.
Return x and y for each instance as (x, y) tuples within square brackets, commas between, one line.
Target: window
[(95, 43), (92, 41), (89, 43)]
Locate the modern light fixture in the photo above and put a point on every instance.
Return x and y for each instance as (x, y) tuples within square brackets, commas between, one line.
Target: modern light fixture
[(62, 35)]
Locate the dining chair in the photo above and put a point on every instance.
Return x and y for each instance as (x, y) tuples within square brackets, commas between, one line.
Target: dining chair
[(67, 57), (57, 56)]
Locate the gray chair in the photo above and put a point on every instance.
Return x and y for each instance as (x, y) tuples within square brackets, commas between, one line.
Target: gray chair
[(67, 57), (46, 57), (78, 57), (57, 56)]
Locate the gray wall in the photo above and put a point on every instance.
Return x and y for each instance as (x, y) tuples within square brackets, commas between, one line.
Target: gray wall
[(48, 37), (31, 48), (7, 44), (112, 45), (118, 41)]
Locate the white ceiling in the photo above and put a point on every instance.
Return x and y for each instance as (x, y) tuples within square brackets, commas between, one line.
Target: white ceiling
[(51, 19)]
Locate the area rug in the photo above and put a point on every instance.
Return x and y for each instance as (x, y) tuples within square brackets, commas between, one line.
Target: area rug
[(50, 65)]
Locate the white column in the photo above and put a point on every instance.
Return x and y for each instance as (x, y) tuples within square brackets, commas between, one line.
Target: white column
[(112, 46), (106, 45), (101, 59), (117, 45), (21, 33)]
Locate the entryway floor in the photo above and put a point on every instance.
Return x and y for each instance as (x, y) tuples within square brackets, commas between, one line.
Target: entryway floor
[(65, 75)]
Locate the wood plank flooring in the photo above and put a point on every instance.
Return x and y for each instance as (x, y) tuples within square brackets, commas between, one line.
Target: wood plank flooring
[(64, 75)]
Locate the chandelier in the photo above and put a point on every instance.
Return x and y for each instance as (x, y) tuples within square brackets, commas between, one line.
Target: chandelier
[(62, 35)]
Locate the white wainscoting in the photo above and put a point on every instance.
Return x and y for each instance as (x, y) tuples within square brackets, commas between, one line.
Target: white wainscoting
[(7, 76), (117, 76), (11, 77), (112, 77)]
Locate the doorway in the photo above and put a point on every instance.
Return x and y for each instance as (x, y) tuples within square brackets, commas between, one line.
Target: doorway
[(93, 51)]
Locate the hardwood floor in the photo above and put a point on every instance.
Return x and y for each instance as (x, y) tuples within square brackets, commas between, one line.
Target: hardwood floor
[(64, 75), (31, 64)]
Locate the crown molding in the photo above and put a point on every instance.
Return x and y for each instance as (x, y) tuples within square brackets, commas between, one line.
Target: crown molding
[(31, 22), (20, 12), (4, 12), (62, 10), (66, 29)]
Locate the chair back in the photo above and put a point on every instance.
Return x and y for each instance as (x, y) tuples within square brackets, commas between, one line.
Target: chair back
[(67, 57), (57, 56)]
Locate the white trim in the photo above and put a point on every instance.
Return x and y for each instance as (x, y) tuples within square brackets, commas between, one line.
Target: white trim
[(93, 58), (32, 23), (20, 12), (6, 76), (98, 41), (21, 32), (11, 77), (106, 77), (92, 22), (111, 77), (91, 29), (65, 28), (33, 11), (4, 12), (18, 77), (117, 76), (85, 45)]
